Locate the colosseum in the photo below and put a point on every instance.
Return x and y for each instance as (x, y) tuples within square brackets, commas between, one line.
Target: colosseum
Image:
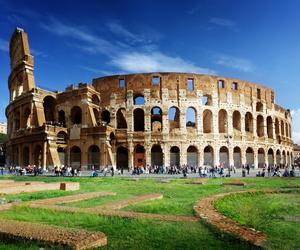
[(145, 119)]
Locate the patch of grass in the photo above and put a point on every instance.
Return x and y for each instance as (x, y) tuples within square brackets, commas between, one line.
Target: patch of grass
[(178, 198), (267, 213)]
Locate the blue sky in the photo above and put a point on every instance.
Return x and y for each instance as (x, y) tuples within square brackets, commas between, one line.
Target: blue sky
[(75, 41)]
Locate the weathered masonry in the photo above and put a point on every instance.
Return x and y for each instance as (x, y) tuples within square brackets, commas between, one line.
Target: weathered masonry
[(138, 119)]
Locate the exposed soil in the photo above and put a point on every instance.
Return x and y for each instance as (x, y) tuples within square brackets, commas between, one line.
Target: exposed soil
[(205, 210), (51, 235), (234, 183)]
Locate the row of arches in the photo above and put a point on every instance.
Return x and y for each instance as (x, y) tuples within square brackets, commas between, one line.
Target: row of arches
[(193, 155)]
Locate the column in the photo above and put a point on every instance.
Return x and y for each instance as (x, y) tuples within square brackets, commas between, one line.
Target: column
[(243, 156), (255, 158), (230, 156), (130, 156), (216, 156), (166, 152), (44, 158)]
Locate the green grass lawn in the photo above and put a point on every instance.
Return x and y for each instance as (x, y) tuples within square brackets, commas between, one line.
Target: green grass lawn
[(275, 214), (179, 198)]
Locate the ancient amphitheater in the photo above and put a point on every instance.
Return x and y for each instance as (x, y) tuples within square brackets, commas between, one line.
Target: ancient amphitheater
[(139, 119)]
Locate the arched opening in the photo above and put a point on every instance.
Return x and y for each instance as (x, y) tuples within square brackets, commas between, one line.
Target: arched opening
[(282, 128), (94, 157), (17, 120), (208, 156), (121, 120), (76, 115), (278, 158), (38, 155), (261, 158), (191, 117), (237, 157), (222, 121), (156, 155), (259, 107), (156, 119), (249, 156), (138, 100), (175, 156), (62, 137), (62, 118), (95, 100), (236, 120), (286, 130), (49, 108), (105, 116), (260, 126), (26, 156), (271, 157), (288, 158), (270, 127), (192, 156), (75, 157), (249, 122), (207, 121), (62, 155), (96, 115), (139, 156), (174, 118), (122, 158), (139, 120), (26, 118), (224, 157)]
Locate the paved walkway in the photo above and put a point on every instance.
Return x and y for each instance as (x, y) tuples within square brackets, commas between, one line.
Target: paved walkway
[(238, 174)]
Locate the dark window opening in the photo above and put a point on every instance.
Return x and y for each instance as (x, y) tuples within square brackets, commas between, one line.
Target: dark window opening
[(155, 80), (221, 84), (105, 116), (234, 86), (139, 124), (122, 83), (190, 84)]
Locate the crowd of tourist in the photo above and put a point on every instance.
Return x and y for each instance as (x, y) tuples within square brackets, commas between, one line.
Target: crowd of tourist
[(184, 170)]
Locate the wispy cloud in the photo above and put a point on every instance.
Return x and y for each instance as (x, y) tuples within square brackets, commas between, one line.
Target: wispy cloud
[(239, 64), (3, 45), (155, 61), (194, 9), (131, 53), (296, 125), (119, 30), (222, 22)]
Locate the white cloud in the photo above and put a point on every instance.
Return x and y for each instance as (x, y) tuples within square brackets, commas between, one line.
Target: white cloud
[(135, 54), (239, 64), (296, 125), (223, 23), (3, 45), (155, 61)]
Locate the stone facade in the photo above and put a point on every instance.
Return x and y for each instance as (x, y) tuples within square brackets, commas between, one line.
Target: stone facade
[(3, 128), (139, 119)]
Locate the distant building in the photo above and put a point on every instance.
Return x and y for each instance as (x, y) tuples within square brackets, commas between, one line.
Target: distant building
[(296, 151), (3, 128)]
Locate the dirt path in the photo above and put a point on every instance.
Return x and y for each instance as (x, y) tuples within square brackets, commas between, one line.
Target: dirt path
[(51, 235), (205, 210)]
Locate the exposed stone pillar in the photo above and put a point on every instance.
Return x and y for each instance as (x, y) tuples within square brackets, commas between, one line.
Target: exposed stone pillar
[(44, 158), (130, 156), (84, 157), (182, 120), (230, 156), (183, 155), (215, 122), (166, 151), (255, 158), (265, 128), (200, 157), (229, 123), (254, 127), (243, 156), (147, 115), (165, 121), (266, 158), (243, 124), (216, 156), (200, 121), (30, 154), (148, 154)]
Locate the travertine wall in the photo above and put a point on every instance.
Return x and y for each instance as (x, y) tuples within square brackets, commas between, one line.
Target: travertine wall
[(140, 119)]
